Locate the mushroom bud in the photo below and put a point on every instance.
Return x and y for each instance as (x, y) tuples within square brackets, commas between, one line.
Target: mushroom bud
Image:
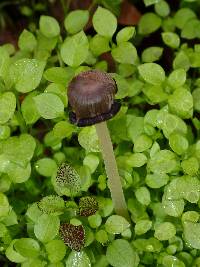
[(91, 97)]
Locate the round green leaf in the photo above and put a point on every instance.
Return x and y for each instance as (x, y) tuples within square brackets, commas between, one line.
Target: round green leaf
[(143, 195), (56, 250), (182, 16), (29, 109), (26, 74), (116, 224), (99, 45), (125, 34), (80, 258), (165, 231), (76, 21), (171, 39), (149, 23), (49, 26), (74, 50), (177, 78), (49, 105), (178, 143), (125, 53), (156, 180), (192, 234), (27, 247), (104, 22), (46, 227), (12, 254), (162, 8), (46, 167), (4, 205), (88, 139), (152, 54), (152, 73), (27, 41), (7, 106), (120, 253), (181, 103), (142, 227)]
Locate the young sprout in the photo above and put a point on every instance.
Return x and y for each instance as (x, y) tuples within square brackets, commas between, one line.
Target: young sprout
[(91, 96)]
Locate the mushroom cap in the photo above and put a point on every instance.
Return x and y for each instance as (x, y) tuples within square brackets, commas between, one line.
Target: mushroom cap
[(91, 96)]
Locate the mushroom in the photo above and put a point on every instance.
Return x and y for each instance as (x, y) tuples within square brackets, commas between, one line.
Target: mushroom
[(91, 97)]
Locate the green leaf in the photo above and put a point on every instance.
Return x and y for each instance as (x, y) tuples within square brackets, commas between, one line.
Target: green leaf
[(29, 109), (152, 54), (26, 74), (49, 26), (191, 233), (59, 90), (7, 106), (182, 16), (156, 180), (74, 50), (59, 75), (142, 227), (154, 93), (165, 231), (46, 227), (46, 167), (92, 161), (18, 174), (120, 253), (53, 205), (4, 205), (136, 160), (171, 39), (99, 45), (181, 61), (152, 73), (27, 41), (63, 129), (12, 254), (190, 166), (125, 34), (116, 224), (162, 8), (169, 261), (164, 161), (191, 29), (27, 247), (104, 22), (143, 195), (56, 250), (49, 105), (80, 258), (177, 78), (88, 139), (148, 245), (181, 103), (149, 23), (178, 143), (19, 150), (125, 53), (76, 21)]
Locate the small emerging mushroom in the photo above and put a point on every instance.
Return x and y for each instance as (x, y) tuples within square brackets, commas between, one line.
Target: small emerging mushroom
[(91, 97)]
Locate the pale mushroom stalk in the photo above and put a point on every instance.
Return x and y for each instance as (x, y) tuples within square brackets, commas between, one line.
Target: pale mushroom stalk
[(114, 181)]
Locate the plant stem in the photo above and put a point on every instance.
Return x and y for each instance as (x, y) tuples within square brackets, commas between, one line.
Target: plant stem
[(19, 116), (114, 181)]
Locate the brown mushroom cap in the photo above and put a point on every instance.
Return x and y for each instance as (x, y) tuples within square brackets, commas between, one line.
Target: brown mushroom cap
[(91, 95)]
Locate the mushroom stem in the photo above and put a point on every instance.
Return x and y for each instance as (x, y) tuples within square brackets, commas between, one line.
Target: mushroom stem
[(114, 181)]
